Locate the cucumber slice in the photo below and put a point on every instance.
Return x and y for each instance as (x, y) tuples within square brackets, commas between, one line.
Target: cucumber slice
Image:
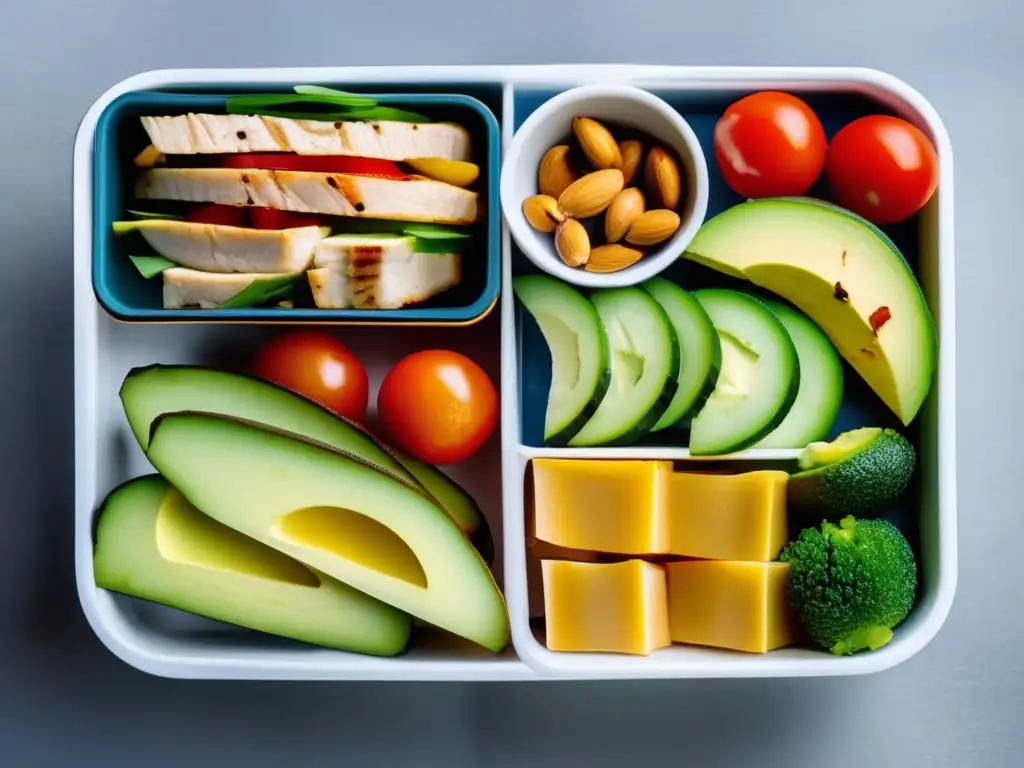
[(645, 366), (580, 369), (700, 352), (820, 393), (759, 377)]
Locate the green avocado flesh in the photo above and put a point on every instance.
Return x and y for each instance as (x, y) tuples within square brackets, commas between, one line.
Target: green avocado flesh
[(149, 392), (842, 272), (152, 544), (336, 513), (862, 473)]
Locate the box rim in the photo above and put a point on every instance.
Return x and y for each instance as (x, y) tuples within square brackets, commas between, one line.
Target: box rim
[(511, 77)]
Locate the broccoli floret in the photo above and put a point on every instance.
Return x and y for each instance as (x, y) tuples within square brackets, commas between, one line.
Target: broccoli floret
[(851, 583)]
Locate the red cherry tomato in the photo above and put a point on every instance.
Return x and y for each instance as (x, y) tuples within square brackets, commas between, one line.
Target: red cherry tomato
[(318, 367), (215, 213), (770, 144), (438, 405), (272, 218), (882, 167)]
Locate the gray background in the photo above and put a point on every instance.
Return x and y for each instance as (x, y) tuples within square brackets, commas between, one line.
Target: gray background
[(65, 700)]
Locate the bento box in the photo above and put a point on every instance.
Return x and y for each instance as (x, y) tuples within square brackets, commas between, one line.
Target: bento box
[(621, 473)]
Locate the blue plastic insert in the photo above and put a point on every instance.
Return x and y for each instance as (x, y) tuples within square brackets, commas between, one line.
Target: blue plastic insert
[(127, 296)]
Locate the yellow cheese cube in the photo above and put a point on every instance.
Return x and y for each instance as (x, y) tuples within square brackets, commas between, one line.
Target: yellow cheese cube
[(727, 517), (542, 550), (605, 607), (602, 506), (729, 604)]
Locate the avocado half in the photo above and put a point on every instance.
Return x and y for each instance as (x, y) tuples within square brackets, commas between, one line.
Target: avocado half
[(842, 272), (336, 513), (156, 389), (151, 543)]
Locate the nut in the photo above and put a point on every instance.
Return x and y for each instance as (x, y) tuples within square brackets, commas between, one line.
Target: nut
[(542, 212), (661, 176), (625, 208), (597, 143), (555, 172), (632, 153), (591, 194), (612, 257), (653, 227), (572, 243)]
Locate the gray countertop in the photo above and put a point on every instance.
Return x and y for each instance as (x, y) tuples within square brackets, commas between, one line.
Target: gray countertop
[(65, 700)]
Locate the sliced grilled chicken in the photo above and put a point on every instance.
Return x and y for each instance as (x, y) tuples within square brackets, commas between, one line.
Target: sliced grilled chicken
[(387, 140), (189, 288), (221, 248), (370, 272), (416, 199)]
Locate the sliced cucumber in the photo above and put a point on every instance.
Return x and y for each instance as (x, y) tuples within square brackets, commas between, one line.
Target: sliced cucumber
[(645, 365), (700, 352), (580, 367), (759, 377), (820, 393)]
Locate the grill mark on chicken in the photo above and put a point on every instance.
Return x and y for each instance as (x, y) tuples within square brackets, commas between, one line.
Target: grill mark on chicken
[(276, 132)]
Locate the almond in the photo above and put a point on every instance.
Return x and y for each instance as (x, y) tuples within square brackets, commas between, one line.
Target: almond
[(623, 211), (572, 243), (612, 257), (555, 172), (661, 177), (632, 153), (542, 212), (653, 227), (591, 194), (597, 143)]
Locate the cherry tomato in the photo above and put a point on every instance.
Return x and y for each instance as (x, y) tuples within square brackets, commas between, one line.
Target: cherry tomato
[(438, 405), (882, 167), (272, 218), (287, 161), (770, 144), (215, 213), (318, 367)]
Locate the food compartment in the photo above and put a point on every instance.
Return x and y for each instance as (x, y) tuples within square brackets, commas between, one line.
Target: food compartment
[(204, 564), (412, 257), (859, 405), (776, 353)]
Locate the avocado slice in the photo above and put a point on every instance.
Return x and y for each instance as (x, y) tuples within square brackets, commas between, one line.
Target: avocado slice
[(862, 473), (152, 544), (335, 512), (845, 274), (156, 389)]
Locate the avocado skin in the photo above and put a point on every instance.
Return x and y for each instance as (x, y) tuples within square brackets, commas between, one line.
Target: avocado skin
[(863, 484)]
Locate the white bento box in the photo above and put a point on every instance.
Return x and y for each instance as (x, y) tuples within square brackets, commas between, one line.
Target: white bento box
[(168, 643)]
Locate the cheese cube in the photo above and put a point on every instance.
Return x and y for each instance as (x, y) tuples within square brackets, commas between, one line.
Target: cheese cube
[(729, 604), (727, 517), (541, 550), (602, 506), (605, 607)]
